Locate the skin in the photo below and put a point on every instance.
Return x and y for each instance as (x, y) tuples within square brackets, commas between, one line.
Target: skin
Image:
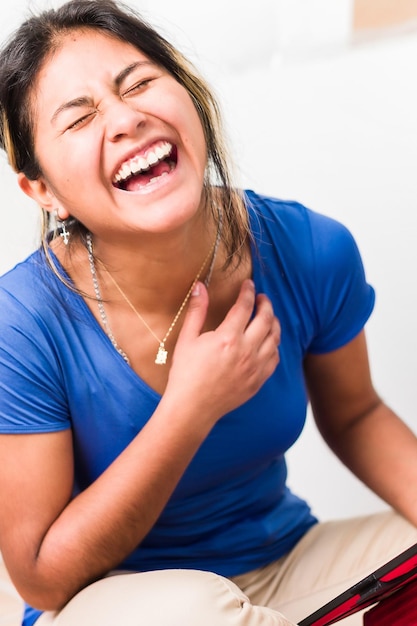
[(54, 545), (117, 105)]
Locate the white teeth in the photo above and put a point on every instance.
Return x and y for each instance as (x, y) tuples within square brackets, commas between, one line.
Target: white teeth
[(155, 178), (125, 171), (135, 166), (143, 163), (139, 164), (152, 158)]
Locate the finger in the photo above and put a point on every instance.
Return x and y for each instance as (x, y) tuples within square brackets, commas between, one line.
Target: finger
[(241, 312), (269, 348), (267, 353), (196, 314), (263, 322), (274, 335)]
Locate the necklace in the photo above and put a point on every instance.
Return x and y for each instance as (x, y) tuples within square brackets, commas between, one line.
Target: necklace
[(162, 354), (99, 299)]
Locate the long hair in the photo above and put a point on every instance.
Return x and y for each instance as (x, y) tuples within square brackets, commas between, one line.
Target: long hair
[(32, 45)]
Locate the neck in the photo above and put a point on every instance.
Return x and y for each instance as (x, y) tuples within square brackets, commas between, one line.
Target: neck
[(157, 270)]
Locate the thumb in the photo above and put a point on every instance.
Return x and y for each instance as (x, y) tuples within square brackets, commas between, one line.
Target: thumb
[(196, 313)]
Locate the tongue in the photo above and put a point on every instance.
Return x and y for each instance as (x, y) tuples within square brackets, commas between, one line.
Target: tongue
[(140, 180)]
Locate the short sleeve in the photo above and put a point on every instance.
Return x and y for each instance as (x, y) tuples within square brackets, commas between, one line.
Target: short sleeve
[(32, 395), (343, 298)]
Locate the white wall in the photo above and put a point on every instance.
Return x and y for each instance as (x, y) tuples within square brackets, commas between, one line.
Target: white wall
[(321, 121)]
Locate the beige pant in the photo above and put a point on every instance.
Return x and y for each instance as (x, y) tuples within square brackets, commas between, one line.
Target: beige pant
[(331, 557), (11, 605)]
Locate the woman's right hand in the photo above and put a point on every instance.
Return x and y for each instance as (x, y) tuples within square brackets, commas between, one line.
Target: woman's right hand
[(221, 369)]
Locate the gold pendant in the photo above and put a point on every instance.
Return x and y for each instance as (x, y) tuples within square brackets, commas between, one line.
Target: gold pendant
[(161, 357)]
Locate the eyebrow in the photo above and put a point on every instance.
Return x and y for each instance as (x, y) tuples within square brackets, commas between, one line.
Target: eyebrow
[(84, 101), (121, 76)]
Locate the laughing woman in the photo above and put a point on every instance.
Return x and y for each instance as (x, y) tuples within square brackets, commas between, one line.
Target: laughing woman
[(147, 397)]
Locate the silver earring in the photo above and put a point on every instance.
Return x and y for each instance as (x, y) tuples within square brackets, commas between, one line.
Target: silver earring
[(65, 234)]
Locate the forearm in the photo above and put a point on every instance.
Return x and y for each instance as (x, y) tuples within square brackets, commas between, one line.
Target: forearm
[(71, 542), (103, 524), (382, 451)]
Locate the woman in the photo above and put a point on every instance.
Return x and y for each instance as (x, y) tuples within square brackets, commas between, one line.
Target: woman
[(147, 397)]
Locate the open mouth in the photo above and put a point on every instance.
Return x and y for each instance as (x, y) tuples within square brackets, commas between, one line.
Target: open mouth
[(144, 170)]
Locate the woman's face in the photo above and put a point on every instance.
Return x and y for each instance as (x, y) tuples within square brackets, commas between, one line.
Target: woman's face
[(118, 139)]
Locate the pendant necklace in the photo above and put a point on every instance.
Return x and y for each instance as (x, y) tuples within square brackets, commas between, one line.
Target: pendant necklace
[(162, 353)]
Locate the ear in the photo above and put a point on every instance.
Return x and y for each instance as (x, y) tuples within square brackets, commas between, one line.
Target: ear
[(40, 192)]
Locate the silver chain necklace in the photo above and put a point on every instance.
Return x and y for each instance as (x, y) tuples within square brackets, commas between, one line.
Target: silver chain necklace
[(99, 299), (162, 353)]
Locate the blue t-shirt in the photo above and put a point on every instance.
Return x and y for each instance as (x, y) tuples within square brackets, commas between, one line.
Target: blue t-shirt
[(231, 511)]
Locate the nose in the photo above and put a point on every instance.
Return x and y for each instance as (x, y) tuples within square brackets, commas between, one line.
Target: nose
[(122, 119)]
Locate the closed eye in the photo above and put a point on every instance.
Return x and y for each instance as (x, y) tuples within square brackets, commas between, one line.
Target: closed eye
[(137, 87), (80, 121)]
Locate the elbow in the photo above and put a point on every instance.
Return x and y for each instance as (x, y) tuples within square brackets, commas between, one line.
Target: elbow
[(47, 602), (46, 597)]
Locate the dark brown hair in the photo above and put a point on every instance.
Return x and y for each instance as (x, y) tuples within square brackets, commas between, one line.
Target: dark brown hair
[(33, 43)]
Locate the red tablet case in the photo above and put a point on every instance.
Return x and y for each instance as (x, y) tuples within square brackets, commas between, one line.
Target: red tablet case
[(400, 609), (397, 576)]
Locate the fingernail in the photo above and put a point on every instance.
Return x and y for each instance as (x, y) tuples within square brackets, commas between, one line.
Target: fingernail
[(196, 290)]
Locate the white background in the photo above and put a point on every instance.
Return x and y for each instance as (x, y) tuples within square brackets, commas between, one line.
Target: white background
[(317, 116)]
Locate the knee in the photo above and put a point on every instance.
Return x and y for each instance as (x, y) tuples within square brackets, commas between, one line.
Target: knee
[(157, 598), (185, 594)]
